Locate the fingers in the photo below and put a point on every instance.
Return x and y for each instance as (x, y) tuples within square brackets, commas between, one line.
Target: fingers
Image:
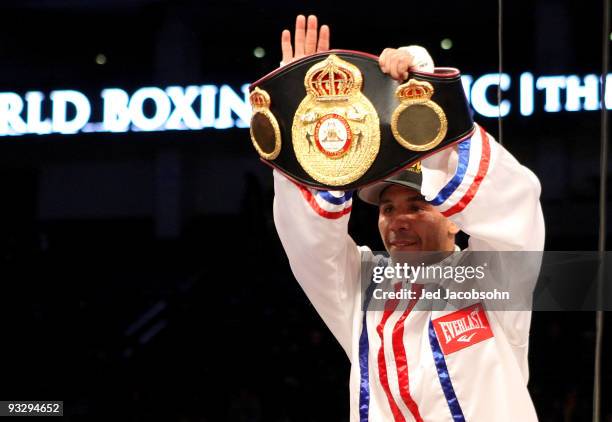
[(286, 47), (300, 35), (310, 46), (401, 69), (395, 63), (323, 39), (309, 39), (383, 60)]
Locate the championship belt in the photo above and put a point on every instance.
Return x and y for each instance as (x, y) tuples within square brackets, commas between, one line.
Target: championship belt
[(335, 121)]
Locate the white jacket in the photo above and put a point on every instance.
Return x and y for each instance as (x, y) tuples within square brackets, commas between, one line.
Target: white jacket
[(401, 367)]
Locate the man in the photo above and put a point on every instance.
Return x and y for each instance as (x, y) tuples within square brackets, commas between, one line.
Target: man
[(400, 368)]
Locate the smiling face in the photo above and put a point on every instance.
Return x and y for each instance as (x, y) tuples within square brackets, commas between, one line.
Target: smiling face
[(409, 223)]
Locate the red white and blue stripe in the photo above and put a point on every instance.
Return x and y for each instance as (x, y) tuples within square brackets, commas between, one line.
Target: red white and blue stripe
[(397, 370), (474, 156), (444, 377), (328, 204)]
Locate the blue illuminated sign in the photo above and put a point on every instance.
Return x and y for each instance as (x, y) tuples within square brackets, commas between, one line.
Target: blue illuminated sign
[(552, 93), (174, 108)]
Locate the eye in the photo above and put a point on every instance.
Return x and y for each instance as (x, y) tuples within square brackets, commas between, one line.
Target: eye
[(416, 208), (386, 209)]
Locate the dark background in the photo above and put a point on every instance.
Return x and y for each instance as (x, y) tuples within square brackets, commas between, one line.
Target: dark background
[(142, 278)]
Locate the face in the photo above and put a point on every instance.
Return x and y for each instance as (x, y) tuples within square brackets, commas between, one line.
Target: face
[(409, 223)]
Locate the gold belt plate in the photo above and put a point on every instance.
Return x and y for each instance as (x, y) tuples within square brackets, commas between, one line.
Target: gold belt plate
[(336, 130)]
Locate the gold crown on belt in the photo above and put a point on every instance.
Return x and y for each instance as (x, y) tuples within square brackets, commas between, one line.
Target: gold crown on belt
[(415, 90), (333, 79), (259, 98)]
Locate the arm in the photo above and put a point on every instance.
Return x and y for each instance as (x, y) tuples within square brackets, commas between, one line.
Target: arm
[(489, 195), (313, 228), (483, 189), (477, 184), (313, 225)]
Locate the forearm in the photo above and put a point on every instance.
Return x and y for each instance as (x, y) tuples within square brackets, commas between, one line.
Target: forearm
[(487, 193)]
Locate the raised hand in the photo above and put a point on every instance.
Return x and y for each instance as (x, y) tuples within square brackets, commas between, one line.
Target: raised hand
[(309, 39)]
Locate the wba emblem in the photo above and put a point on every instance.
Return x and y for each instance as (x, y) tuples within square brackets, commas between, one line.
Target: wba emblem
[(335, 131), (462, 328)]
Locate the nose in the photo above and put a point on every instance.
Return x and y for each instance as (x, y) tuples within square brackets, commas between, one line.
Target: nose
[(401, 222)]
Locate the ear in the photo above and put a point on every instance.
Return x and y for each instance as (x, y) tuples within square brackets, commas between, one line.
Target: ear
[(453, 229)]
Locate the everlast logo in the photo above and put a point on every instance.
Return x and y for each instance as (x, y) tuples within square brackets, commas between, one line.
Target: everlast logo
[(453, 329), (462, 328)]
